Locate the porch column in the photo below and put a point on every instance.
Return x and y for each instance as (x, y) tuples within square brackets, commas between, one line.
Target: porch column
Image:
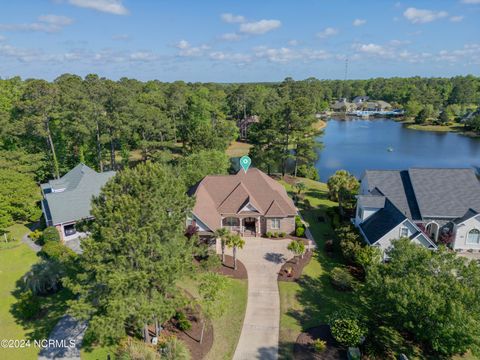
[(259, 229)]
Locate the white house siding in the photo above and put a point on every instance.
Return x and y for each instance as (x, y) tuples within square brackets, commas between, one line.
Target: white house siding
[(386, 240), (462, 231), (367, 212)]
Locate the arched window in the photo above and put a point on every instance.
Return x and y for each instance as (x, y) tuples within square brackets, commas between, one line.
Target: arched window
[(473, 236)]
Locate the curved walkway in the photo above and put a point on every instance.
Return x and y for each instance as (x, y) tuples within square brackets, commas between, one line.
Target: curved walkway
[(263, 259)]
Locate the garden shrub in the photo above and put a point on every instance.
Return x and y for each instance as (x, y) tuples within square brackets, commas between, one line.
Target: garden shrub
[(174, 349), (28, 305), (319, 345), (282, 234), (182, 321), (275, 234), (133, 349), (300, 231), (341, 279), (57, 251), (36, 236), (346, 330), (384, 341), (350, 241), (367, 256), (268, 234), (50, 234), (298, 221), (211, 262), (308, 171)]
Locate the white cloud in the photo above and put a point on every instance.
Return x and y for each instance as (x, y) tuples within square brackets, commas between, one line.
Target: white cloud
[(359, 22), (285, 54), (231, 37), (187, 50), (471, 1), (238, 58), (232, 19), (293, 42), (373, 49), (45, 23), (422, 16), (456, 18), (108, 6), (396, 42), (143, 56), (327, 32), (259, 27)]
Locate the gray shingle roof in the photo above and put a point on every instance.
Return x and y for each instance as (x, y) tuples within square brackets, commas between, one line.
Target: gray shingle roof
[(423, 193), (468, 215), (445, 192), (73, 204), (371, 201), (380, 223)]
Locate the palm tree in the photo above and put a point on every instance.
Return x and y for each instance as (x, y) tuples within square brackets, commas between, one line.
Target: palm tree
[(222, 234), (297, 247), (300, 186), (235, 242)]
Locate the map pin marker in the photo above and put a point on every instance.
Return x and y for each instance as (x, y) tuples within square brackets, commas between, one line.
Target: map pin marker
[(245, 162)]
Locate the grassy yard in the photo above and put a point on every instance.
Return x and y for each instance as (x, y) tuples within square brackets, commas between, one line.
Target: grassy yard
[(227, 328), (14, 263), (237, 149), (308, 303)]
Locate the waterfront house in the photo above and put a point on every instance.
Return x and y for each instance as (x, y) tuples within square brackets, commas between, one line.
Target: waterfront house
[(343, 105), (429, 206), (67, 200), (250, 203)]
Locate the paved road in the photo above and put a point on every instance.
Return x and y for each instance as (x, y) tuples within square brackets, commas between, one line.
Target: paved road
[(67, 336), (263, 259)]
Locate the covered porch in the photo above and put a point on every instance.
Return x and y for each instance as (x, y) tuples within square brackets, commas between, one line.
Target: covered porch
[(243, 225)]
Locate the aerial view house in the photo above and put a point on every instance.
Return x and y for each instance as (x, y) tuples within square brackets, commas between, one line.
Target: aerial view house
[(245, 123), (430, 206), (250, 203), (67, 200)]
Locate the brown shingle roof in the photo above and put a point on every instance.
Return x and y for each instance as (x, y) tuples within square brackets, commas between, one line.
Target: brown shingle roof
[(219, 195)]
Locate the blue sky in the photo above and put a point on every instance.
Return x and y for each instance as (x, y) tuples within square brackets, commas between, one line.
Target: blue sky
[(241, 40)]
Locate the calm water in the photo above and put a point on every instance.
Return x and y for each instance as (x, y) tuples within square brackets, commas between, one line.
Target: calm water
[(356, 145)]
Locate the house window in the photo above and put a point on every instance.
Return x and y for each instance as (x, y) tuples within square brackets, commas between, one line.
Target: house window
[(473, 237), (231, 221), (360, 213), (404, 232), (275, 223), (69, 230)]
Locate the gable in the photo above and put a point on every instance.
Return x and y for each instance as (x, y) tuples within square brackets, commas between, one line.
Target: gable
[(248, 208)]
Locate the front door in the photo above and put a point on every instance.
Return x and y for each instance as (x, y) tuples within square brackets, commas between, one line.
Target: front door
[(249, 226)]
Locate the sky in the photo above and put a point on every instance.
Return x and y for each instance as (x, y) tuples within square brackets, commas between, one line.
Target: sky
[(239, 40)]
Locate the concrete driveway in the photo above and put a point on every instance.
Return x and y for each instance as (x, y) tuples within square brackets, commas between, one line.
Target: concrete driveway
[(263, 259)]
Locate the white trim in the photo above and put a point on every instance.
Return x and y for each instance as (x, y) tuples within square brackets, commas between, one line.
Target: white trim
[(478, 237), (248, 207)]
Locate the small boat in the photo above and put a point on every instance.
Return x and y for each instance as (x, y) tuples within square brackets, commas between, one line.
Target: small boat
[(390, 149)]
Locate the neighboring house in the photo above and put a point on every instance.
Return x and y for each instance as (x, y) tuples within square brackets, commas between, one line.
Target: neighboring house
[(430, 206), (250, 203), (374, 105), (343, 105), (360, 99), (245, 123), (67, 200)]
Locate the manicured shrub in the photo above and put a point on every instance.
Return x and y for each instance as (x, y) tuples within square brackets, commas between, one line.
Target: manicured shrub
[(211, 262), (50, 234), (300, 231), (57, 251), (28, 305), (298, 221), (174, 349), (347, 330), (182, 321), (268, 234), (282, 234), (275, 234), (319, 345), (341, 279), (36, 235)]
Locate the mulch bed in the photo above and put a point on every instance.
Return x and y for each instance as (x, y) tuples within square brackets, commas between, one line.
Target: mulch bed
[(227, 269), (192, 337), (297, 264), (303, 349)]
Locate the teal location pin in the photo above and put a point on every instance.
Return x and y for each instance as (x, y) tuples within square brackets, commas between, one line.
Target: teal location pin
[(245, 162)]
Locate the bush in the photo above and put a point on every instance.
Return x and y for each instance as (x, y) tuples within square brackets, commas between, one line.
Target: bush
[(300, 231), (50, 234), (36, 236), (268, 234), (57, 251), (28, 305), (174, 349), (44, 277), (350, 242), (282, 234), (133, 349), (307, 204), (212, 262), (308, 172), (182, 321), (347, 331), (341, 279), (367, 256), (275, 234), (319, 345), (298, 221), (384, 342)]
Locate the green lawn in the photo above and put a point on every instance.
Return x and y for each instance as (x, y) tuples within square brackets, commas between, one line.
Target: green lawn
[(307, 305), (14, 263), (227, 328)]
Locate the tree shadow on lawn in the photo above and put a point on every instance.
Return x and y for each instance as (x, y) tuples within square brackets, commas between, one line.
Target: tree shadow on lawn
[(52, 308), (317, 194)]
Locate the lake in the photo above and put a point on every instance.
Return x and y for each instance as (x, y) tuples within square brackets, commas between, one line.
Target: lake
[(359, 144)]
